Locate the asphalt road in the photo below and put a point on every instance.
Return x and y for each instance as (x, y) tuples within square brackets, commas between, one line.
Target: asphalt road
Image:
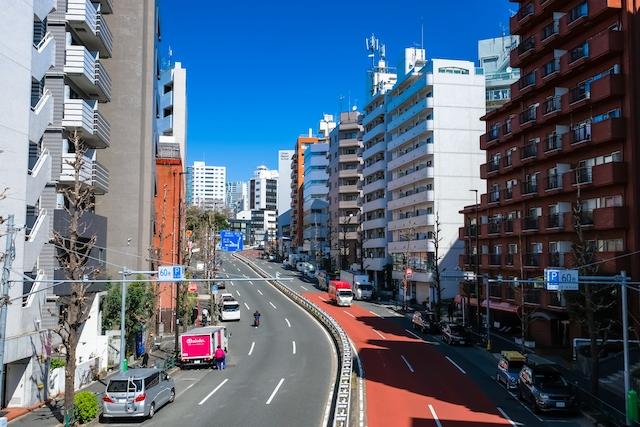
[(412, 379), (280, 374)]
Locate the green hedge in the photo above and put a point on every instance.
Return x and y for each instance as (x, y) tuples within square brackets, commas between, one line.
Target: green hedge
[(57, 362), (86, 406)]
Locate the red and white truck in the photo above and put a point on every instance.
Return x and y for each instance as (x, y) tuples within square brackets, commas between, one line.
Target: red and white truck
[(198, 346), (340, 292)]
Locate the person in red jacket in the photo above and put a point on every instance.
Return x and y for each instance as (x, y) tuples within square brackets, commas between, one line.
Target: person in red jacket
[(220, 357)]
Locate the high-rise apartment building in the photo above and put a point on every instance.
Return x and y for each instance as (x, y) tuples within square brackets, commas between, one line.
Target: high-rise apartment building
[(494, 55), (237, 196), (315, 205), (208, 185), (284, 180), (567, 138), (172, 109), (345, 189), (263, 203), (129, 204), (374, 173), (326, 125), (432, 123)]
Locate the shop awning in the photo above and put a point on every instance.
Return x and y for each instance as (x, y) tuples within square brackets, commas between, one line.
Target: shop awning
[(495, 305)]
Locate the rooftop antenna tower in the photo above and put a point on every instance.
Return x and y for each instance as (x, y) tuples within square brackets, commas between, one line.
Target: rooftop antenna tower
[(421, 33), (373, 46)]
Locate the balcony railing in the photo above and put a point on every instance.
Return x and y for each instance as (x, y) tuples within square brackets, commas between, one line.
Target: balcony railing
[(524, 11), (506, 127), (529, 187), (579, 53), (579, 93), (531, 223), (528, 115), (581, 133), (470, 259), (553, 181), (529, 151), (584, 175), (526, 45), (494, 132), (494, 196), (552, 105), (532, 260), (471, 230), (552, 142), (554, 220), (578, 12), (550, 67), (586, 217), (494, 227), (551, 29), (527, 80), (493, 165), (507, 193)]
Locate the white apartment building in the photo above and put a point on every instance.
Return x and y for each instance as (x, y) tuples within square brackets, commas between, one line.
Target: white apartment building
[(284, 180), (374, 173), (172, 109), (263, 203), (315, 204), (208, 185), (432, 131)]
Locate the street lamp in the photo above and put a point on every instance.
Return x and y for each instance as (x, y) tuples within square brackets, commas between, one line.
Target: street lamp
[(477, 263)]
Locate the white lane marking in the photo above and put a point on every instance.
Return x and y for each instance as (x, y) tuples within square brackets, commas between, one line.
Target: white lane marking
[(381, 336), (288, 323), (245, 304), (253, 344), (273, 305), (323, 299), (294, 346), (238, 292), (407, 363), (395, 314), (413, 335), (259, 292), (232, 284), (525, 406), (456, 365), (349, 314), (213, 391), (435, 416), (303, 287), (375, 314), (360, 385), (504, 414), (274, 392), (250, 282)]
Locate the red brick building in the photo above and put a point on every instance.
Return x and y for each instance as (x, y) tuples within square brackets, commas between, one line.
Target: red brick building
[(169, 220), (572, 122)]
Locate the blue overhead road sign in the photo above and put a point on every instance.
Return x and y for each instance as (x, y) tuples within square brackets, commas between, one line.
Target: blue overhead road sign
[(231, 241)]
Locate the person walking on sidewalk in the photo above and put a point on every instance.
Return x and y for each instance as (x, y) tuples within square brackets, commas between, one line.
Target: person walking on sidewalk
[(220, 356)]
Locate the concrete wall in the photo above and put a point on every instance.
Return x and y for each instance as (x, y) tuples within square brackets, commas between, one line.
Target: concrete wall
[(131, 157)]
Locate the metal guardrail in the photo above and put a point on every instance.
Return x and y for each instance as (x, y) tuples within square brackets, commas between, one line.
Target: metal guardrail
[(342, 398)]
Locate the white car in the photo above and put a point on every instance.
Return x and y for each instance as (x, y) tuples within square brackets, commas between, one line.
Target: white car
[(230, 310)]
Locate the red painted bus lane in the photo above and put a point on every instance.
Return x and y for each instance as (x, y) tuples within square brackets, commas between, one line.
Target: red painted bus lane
[(408, 382)]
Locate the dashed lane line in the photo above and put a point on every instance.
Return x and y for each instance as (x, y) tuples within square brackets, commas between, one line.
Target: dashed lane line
[(456, 365), (273, 394), (245, 304), (294, 346), (349, 314), (406, 362), (379, 334), (259, 292), (504, 414), (253, 344), (273, 305), (375, 314), (213, 391), (288, 323), (435, 416)]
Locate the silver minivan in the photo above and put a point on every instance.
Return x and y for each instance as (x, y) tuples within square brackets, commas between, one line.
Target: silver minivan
[(137, 393)]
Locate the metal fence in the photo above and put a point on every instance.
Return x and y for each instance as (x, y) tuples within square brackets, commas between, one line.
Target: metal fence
[(342, 398)]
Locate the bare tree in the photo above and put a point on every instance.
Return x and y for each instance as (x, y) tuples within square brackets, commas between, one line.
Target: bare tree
[(73, 254), (594, 305), (437, 282)]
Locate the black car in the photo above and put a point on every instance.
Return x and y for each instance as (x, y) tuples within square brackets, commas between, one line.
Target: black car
[(544, 388), (425, 321), (455, 334)]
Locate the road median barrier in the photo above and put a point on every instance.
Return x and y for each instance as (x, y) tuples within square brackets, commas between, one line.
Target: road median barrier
[(341, 403)]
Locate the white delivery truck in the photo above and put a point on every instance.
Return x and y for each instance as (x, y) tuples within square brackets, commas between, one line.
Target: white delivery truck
[(360, 285)]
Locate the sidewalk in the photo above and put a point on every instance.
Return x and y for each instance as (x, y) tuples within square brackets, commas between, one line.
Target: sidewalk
[(51, 413)]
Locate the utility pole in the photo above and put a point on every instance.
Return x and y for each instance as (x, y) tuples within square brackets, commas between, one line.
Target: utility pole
[(6, 271), (123, 303)]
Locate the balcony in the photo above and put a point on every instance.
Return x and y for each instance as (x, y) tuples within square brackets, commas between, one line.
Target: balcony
[(35, 239), (552, 142), (399, 139), (609, 174), (85, 70), (550, 32), (522, 17), (349, 158), (606, 87), (379, 184), (524, 49), (378, 129), (494, 227), (553, 182), (552, 105), (376, 112), (370, 224), (555, 259), (410, 113), (374, 205), (375, 264), (530, 223), (495, 259), (348, 204), (410, 178), (550, 68), (424, 245), (84, 117), (413, 222), (524, 85), (555, 220), (354, 172), (469, 260), (89, 25), (532, 260), (507, 193), (397, 100), (423, 150), (581, 133), (375, 167), (587, 11), (43, 57), (378, 242), (583, 175), (579, 95), (374, 149), (38, 178), (494, 196), (610, 218), (529, 151), (92, 173), (493, 165), (411, 200), (598, 47), (41, 116), (608, 130), (528, 116)]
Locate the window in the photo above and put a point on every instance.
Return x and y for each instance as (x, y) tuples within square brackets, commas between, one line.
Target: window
[(452, 70), (578, 12), (615, 113), (610, 245)]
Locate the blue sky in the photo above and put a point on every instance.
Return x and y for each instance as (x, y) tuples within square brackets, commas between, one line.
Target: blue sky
[(259, 73)]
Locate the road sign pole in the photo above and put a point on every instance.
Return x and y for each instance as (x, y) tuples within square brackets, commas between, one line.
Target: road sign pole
[(123, 304)]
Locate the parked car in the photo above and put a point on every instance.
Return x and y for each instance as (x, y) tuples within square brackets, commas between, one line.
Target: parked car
[(225, 297), (425, 321), (509, 367), (544, 388), (455, 334), (137, 393)]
